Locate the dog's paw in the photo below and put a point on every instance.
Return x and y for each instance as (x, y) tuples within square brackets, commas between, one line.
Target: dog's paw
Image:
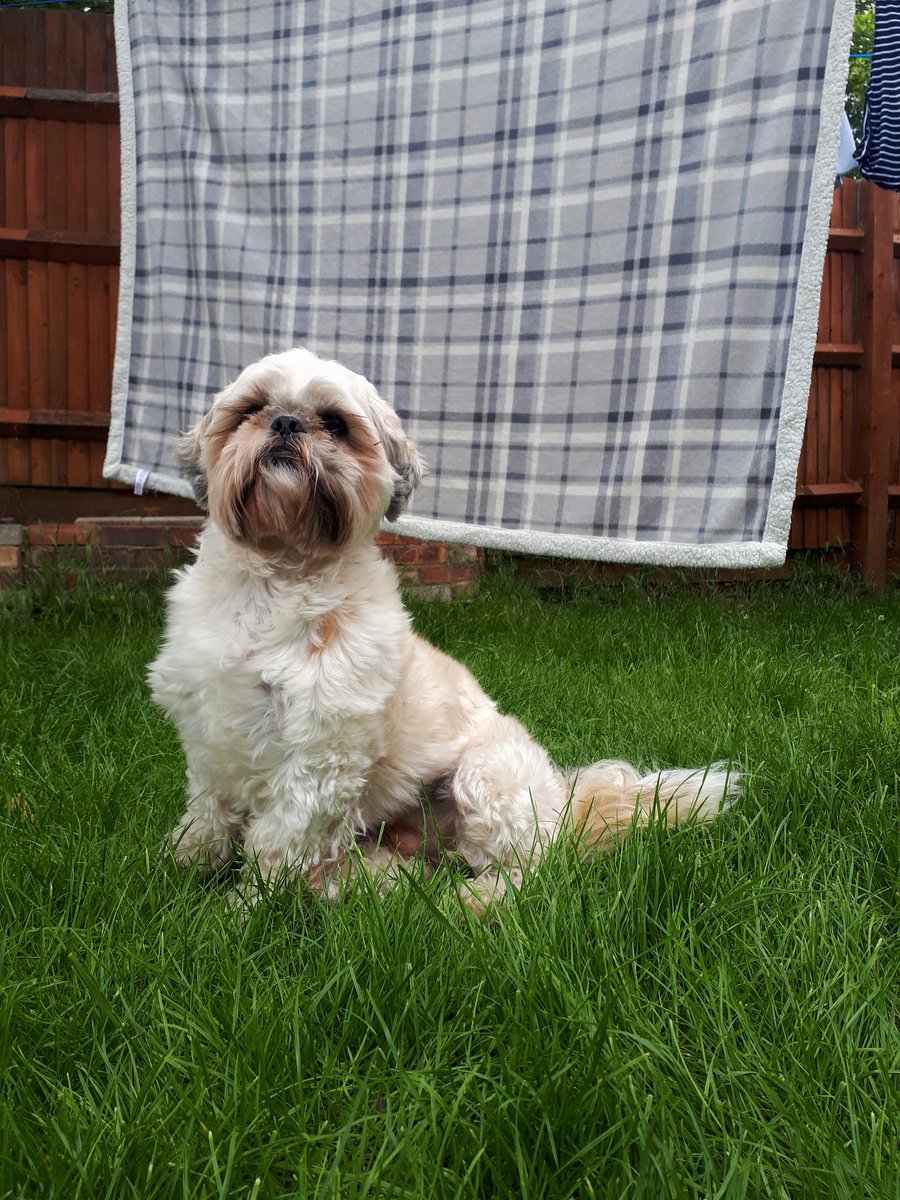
[(489, 888), (329, 880), (244, 898), (190, 848), (383, 868)]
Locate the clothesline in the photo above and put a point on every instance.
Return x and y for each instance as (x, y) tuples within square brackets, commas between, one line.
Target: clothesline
[(48, 4), (78, 4)]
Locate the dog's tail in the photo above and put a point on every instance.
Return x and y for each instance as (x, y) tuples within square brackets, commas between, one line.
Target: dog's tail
[(609, 798)]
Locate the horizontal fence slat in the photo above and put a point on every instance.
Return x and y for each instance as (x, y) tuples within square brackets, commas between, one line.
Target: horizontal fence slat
[(846, 239), (54, 423), (60, 104), (825, 495), (830, 354), (51, 245)]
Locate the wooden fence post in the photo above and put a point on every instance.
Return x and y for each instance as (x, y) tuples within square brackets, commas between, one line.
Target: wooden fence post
[(873, 402)]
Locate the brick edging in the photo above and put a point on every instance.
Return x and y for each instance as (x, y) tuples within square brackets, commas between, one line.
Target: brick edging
[(434, 570), (11, 537)]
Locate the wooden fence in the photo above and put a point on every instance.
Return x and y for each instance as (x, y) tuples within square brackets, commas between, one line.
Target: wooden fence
[(59, 238), (847, 481), (59, 245)]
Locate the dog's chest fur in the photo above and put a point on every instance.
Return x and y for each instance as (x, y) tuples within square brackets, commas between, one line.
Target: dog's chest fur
[(283, 682)]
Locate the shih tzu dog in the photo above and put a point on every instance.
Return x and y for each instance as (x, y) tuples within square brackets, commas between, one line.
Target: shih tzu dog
[(321, 733)]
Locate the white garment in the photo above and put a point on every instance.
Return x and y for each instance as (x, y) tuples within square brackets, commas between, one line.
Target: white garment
[(846, 160)]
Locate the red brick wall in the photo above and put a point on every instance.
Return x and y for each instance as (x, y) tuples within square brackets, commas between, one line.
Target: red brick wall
[(432, 569)]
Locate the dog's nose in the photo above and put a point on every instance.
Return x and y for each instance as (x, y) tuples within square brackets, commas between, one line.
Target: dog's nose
[(286, 426)]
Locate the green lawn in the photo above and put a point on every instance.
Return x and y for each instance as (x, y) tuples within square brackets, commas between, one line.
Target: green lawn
[(710, 1013)]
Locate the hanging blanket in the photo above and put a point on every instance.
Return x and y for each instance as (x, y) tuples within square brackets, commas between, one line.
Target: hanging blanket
[(577, 245)]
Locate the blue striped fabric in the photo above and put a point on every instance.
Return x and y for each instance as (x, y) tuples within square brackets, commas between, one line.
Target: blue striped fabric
[(879, 148), (578, 245)]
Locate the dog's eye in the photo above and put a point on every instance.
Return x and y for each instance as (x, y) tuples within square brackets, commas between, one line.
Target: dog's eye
[(251, 409), (333, 424)]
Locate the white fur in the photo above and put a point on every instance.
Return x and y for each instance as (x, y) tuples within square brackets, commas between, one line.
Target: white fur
[(309, 711)]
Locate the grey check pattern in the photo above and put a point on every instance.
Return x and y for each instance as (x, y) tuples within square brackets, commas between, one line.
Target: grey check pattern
[(563, 239)]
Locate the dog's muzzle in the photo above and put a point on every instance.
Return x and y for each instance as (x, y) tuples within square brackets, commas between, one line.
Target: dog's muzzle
[(285, 447), (287, 427)]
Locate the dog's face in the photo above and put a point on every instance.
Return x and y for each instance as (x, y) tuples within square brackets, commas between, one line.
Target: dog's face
[(301, 453)]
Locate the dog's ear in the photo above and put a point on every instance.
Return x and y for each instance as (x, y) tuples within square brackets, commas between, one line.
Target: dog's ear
[(410, 468), (188, 455)]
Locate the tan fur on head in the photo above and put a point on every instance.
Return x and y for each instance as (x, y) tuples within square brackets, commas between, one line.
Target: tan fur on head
[(328, 484)]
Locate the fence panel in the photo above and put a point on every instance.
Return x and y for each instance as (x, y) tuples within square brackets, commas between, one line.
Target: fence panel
[(59, 233), (826, 457)]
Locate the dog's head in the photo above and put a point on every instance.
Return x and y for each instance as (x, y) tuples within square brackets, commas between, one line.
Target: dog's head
[(302, 453)]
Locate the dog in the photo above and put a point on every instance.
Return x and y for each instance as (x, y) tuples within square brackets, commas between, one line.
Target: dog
[(321, 733)]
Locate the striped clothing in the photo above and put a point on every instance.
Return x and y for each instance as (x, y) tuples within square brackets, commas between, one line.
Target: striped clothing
[(879, 150)]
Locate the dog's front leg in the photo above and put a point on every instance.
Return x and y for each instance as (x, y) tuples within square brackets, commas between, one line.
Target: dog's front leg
[(293, 837), (205, 835), (295, 829), (278, 842)]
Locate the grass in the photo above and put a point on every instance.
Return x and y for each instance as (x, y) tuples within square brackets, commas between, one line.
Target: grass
[(711, 1013)]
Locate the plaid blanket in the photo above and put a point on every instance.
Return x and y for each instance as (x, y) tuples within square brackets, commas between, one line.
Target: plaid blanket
[(578, 245)]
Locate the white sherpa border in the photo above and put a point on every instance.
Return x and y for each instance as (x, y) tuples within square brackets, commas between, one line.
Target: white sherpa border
[(599, 549), (770, 552), (113, 467), (795, 394)]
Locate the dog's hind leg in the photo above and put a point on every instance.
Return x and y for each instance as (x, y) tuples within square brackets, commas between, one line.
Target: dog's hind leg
[(379, 866), (509, 797)]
